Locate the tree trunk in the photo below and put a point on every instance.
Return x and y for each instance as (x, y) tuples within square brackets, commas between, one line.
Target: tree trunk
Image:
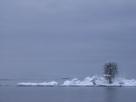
[(110, 80)]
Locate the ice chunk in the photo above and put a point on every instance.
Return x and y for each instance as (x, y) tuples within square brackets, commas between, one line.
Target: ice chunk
[(88, 81), (52, 83), (76, 82), (99, 82)]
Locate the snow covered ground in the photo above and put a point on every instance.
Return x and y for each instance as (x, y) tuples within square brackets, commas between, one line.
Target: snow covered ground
[(99, 81), (88, 81), (52, 83)]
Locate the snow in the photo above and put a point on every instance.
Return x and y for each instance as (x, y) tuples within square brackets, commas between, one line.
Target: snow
[(93, 81), (77, 82), (99, 82), (126, 82), (52, 83)]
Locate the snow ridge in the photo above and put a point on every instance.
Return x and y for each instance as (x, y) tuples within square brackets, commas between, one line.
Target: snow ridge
[(93, 81)]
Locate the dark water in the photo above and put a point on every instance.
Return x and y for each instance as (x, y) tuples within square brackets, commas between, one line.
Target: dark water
[(67, 94)]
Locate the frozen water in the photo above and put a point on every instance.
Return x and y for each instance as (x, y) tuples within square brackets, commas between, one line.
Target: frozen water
[(99, 81), (76, 82), (88, 81), (52, 83)]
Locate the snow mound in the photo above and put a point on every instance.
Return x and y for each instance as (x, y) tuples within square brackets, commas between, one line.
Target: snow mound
[(76, 82), (99, 82), (126, 82), (93, 81), (52, 83)]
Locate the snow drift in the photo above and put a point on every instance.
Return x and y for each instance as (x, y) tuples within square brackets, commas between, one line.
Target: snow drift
[(52, 83), (99, 82), (93, 81), (76, 82)]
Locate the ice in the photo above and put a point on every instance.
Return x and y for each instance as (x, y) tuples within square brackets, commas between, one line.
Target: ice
[(76, 82), (94, 81), (52, 83), (126, 82), (88, 81), (100, 82)]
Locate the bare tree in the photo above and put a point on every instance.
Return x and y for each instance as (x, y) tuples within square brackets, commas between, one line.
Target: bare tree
[(110, 71)]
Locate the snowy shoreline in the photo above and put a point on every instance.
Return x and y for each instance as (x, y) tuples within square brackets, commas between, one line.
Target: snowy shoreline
[(93, 81)]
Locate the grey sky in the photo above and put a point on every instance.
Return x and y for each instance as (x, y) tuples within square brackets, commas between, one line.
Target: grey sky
[(56, 38)]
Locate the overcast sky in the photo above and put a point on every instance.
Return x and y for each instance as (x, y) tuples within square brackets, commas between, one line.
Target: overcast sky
[(60, 38)]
